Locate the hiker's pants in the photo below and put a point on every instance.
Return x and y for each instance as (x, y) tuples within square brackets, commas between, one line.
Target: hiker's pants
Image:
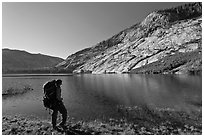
[(61, 108)]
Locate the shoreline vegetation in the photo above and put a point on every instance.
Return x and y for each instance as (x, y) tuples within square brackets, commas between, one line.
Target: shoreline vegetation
[(162, 67), (151, 68), (196, 73), (136, 121), (46, 74), (16, 90)]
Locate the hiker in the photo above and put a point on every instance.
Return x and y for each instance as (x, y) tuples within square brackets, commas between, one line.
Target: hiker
[(59, 106), (53, 100)]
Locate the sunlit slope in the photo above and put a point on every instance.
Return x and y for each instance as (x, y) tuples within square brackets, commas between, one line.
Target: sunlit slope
[(169, 38)]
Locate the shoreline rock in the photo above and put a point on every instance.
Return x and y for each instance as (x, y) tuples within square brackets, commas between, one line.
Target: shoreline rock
[(143, 121)]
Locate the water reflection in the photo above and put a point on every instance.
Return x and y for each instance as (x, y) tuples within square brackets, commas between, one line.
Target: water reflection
[(97, 96), (175, 91)]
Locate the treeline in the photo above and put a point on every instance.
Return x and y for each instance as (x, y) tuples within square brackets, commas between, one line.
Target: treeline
[(36, 71), (187, 11)]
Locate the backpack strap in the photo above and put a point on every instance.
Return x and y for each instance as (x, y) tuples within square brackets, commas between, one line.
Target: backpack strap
[(47, 96)]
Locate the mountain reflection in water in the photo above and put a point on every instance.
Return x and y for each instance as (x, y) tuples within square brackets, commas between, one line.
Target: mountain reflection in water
[(174, 91)]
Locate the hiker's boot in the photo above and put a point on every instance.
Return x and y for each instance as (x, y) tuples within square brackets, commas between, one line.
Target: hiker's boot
[(54, 127), (63, 126)]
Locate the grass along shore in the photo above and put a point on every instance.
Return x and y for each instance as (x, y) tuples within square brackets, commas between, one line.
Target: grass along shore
[(17, 89), (136, 121)]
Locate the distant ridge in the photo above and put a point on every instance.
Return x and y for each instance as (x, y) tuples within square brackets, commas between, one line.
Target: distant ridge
[(17, 60)]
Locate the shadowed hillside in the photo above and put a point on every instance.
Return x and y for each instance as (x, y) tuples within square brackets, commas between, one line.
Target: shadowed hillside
[(19, 61)]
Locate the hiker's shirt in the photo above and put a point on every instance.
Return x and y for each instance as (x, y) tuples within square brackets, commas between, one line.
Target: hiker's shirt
[(59, 98)]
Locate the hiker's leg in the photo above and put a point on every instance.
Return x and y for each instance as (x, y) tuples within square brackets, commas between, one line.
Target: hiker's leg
[(54, 117), (63, 111)]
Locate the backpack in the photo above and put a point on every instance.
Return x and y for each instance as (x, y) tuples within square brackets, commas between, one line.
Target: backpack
[(49, 90)]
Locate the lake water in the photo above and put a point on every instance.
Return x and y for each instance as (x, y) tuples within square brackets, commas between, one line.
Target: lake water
[(98, 96)]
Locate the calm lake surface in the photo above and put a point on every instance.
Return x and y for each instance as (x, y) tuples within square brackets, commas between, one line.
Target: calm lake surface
[(91, 97)]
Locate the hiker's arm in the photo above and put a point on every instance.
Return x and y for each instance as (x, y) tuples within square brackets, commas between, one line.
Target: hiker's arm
[(59, 94)]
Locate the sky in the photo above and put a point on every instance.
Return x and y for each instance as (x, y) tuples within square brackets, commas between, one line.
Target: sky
[(62, 28)]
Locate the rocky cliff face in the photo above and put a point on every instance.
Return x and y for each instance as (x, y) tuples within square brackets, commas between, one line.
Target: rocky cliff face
[(166, 41)]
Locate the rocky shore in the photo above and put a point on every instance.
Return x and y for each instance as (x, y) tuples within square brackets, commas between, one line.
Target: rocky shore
[(136, 121)]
